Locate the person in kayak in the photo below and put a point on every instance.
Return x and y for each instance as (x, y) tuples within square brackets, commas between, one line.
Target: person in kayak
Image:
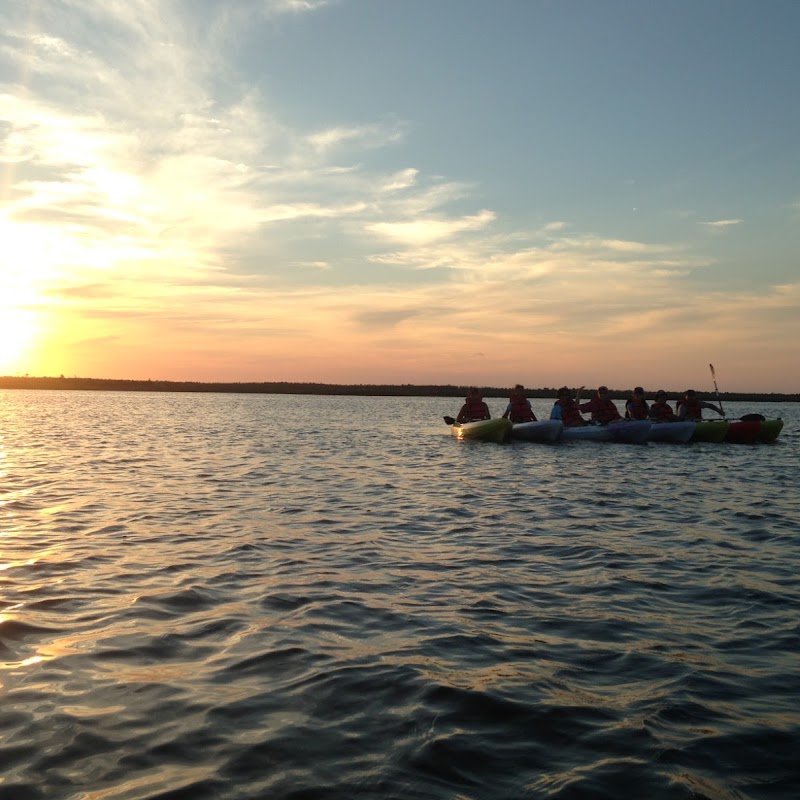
[(519, 407), (601, 407), (661, 410), (566, 408), (691, 406), (637, 407), (474, 408)]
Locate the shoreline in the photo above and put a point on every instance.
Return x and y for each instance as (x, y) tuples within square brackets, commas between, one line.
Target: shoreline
[(371, 390)]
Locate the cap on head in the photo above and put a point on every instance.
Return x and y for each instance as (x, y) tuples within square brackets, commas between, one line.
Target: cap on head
[(602, 389), (690, 393), (638, 390)]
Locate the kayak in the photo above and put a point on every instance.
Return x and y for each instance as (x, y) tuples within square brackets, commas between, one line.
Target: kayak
[(746, 431), (671, 431), (711, 430), (738, 431), (587, 433), (743, 432), (633, 431), (543, 430), (487, 430), (770, 429)]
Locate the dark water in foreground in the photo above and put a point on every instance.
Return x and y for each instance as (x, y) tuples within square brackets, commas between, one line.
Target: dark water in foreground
[(246, 596)]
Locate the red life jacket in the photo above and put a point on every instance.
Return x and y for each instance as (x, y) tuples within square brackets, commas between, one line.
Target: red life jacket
[(603, 411), (521, 409), (637, 409), (570, 413), (661, 411), (475, 409), (693, 408)]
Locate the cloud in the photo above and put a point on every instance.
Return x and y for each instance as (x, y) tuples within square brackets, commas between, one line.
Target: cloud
[(429, 230), (295, 6), (401, 180), (388, 318), (721, 224), (623, 246), (321, 265), (371, 135), (593, 243), (297, 211), (81, 291)]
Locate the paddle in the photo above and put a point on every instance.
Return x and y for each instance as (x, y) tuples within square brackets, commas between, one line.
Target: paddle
[(714, 377), (746, 417), (449, 420)]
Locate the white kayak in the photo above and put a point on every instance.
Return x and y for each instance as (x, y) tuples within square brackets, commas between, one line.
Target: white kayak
[(587, 433), (543, 430), (671, 431)]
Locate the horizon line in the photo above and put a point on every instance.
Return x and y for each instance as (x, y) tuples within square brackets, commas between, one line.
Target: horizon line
[(445, 389)]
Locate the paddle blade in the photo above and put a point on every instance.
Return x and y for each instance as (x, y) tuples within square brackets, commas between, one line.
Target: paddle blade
[(449, 420), (713, 374)]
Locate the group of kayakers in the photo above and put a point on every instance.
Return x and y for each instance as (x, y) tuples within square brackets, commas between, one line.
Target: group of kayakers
[(569, 409)]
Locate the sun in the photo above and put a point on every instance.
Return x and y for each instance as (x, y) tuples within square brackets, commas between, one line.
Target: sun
[(20, 267), (18, 328)]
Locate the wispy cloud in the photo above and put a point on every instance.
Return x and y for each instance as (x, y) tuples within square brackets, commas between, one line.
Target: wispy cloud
[(321, 265), (404, 179), (619, 246), (429, 230), (388, 318), (295, 6), (721, 224), (296, 211), (371, 135)]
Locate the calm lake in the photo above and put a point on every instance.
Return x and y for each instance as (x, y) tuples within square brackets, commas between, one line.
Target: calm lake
[(250, 596)]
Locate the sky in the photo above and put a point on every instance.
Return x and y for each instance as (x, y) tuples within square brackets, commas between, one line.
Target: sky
[(402, 191)]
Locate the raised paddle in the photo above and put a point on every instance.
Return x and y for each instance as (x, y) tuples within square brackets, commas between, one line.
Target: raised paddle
[(714, 377)]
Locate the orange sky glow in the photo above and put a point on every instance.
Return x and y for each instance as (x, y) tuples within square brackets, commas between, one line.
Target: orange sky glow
[(179, 215)]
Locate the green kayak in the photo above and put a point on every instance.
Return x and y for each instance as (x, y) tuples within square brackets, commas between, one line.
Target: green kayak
[(488, 430), (770, 428), (712, 430), (723, 430)]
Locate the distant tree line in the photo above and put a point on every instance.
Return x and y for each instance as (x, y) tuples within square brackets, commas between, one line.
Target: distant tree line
[(363, 389)]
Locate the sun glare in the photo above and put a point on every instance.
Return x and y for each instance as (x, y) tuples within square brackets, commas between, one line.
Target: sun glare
[(17, 332), (22, 265)]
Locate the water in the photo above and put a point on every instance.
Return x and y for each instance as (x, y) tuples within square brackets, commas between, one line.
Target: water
[(247, 596)]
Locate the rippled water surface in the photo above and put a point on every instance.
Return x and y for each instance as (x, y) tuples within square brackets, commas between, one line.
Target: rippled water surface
[(247, 596)]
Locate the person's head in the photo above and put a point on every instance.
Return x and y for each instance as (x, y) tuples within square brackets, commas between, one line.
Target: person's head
[(564, 393), (661, 396), (691, 393), (518, 389), (602, 391), (474, 391), (638, 391)]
